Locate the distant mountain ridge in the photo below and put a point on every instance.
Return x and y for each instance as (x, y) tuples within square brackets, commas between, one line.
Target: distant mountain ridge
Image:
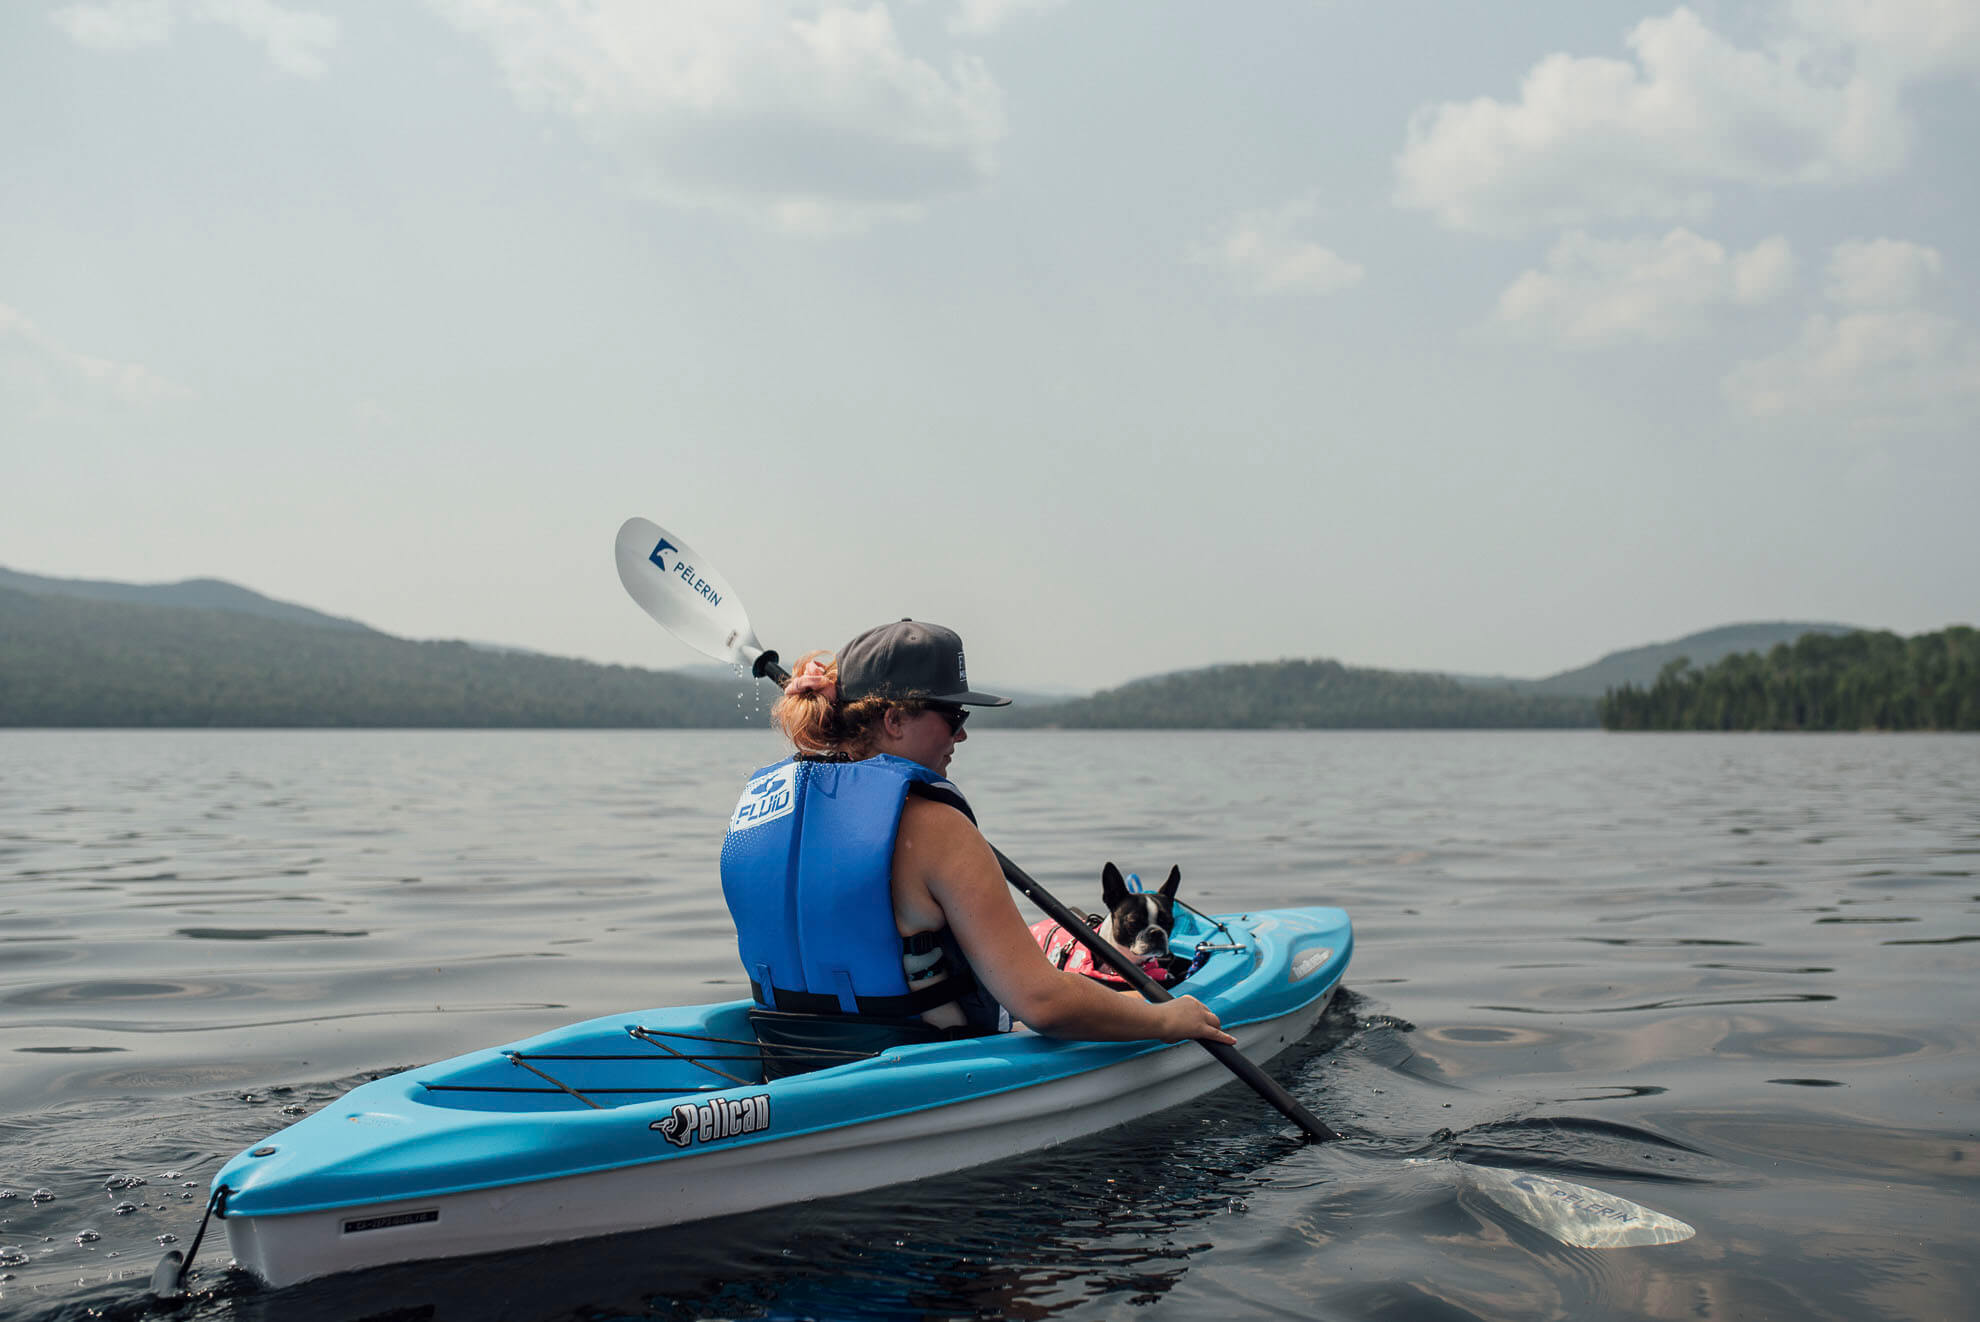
[(196, 593), (76, 661), (1302, 695), (209, 652), (1640, 665)]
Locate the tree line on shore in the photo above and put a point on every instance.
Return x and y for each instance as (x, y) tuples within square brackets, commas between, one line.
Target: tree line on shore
[(1856, 681)]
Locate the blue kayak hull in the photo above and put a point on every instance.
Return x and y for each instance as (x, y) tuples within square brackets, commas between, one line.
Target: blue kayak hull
[(634, 1121)]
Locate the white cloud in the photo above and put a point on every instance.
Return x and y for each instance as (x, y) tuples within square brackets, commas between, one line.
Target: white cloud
[(1883, 359), (1601, 291), (297, 41), (57, 379), (116, 24), (1268, 253), (1881, 272), (1592, 138), (977, 18), (805, 116), (1892, 365), (1763, 272), (1904, 39)]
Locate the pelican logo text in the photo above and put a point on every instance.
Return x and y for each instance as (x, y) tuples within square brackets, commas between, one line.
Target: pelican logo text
[(725, 1117), (423, 1217), (1308, 962), (765, 799), (684, 572)]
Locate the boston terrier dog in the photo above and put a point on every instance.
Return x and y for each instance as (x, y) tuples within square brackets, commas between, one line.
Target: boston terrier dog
[(1137, 923)]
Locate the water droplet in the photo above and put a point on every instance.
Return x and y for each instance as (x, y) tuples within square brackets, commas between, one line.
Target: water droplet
[(13, 1257), (169, 1175), (42, 1196), (125, 1209), (168, 1238), (87, 1237), (293, 1109), (116, 1182)]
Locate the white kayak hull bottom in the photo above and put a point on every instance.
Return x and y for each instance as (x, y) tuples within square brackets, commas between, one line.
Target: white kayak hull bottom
[(722, 1181)]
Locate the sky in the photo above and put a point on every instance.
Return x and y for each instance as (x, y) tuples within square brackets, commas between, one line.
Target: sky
[(1121, 338)]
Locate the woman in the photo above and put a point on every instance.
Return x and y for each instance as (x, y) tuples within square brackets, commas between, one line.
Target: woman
[(869, 909)]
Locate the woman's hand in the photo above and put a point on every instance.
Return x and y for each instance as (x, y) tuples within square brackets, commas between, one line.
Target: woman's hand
[(1187, 1017)]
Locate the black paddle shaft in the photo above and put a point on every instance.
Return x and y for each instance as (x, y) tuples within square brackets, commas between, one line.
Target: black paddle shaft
[(1229, 1056)]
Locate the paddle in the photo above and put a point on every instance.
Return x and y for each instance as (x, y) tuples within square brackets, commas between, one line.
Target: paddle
[(686, 597)]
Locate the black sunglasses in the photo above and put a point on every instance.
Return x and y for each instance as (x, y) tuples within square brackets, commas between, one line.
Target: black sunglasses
[(954, 716)]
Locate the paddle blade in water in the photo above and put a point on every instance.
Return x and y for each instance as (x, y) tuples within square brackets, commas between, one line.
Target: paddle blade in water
[(1574, 1213), (165, 1276), (683, 593)]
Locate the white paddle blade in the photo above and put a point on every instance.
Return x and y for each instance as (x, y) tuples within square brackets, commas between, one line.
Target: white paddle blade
[(683, 593), (1574, 1213)]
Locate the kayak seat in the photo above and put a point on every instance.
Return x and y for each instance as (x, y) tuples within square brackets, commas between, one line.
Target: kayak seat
[(800, 1043)]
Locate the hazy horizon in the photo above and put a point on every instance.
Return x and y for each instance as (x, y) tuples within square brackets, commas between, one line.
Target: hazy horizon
[(1121, 340), (705, 668)]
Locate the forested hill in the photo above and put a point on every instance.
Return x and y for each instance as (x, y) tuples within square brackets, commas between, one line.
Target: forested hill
[(1640, 665), (70, 661), (198, 593), (1301, 695), (1859, 681)]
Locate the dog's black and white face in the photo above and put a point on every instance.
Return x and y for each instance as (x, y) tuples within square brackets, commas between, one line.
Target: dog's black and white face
[(1139, 923)]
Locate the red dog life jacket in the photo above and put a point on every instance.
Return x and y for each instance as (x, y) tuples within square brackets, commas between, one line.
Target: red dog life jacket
[(1067, 952)]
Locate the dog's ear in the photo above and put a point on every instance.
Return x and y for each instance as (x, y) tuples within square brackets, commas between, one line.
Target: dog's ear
[(1113, 886), (1168, 890)]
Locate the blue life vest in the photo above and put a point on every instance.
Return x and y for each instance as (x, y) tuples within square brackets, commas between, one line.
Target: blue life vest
[(807, 870)]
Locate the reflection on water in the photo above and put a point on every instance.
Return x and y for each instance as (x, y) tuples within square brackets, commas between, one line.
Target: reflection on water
[(1730, 979)]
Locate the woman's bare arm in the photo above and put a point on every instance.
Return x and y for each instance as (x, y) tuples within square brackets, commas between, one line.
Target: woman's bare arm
[(944, 871)]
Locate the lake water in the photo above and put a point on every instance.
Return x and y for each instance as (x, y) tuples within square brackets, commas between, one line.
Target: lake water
[(1730, 978)]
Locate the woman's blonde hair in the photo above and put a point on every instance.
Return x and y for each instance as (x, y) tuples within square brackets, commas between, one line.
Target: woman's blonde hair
[(815, 721)]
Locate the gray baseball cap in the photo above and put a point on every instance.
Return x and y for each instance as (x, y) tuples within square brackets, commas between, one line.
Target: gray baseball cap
[(909, 659)]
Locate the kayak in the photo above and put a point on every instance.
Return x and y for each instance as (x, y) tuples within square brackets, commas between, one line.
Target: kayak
[(637, 1121), (660, 1117)]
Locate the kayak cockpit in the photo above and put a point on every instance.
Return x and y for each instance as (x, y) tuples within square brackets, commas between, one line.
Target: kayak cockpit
[(626, 1065)]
